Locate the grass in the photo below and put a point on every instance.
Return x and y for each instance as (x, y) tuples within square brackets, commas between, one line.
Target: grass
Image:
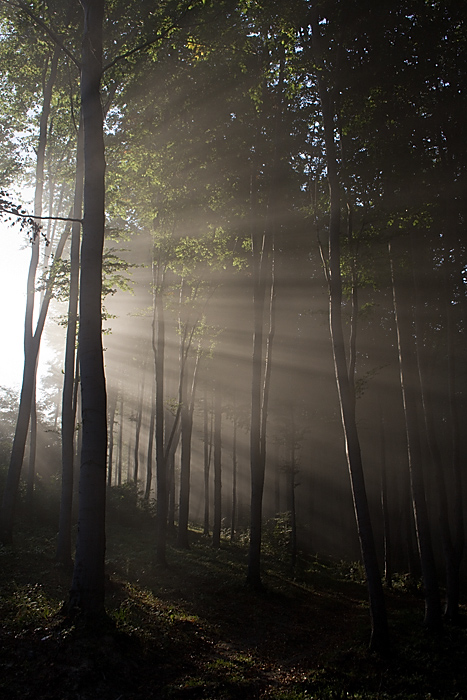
[(195, 630)]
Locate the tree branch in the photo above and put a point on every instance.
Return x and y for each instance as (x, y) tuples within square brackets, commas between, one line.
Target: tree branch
[(23, 215), (20, 5), (149, 42)]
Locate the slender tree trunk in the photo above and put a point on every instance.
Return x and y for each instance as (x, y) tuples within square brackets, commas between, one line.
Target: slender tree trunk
[(379, 633), (233, 522), (410, 397), (277, 481), (64, 546), (293, 517), (217, 524), (458, 532), (171, 495), (139, 420), (38, 200), (452, 545), (88, 586), (112, 412), (263, 273), (385, 508), (24, 412), (186, 429), (208, 433), (258, 421), (128, 461), (120, 443), (31, 477), (185, 468), (150, 458), (31, 341), (158, 336)]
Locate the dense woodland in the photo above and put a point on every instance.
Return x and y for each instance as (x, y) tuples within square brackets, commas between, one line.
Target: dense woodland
[(248, 248)]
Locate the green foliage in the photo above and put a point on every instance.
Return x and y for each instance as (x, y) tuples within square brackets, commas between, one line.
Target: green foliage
[(116, 272), (13, 213), (31, 605), (277, 535), (126, 507), (194, 629)]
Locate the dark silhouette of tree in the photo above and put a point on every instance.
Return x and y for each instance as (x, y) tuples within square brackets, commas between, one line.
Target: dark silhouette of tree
[(410, 387), (379, 633), (88, 585)]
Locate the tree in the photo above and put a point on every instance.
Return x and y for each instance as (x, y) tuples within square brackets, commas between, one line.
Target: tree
[(31, 339), (217, 440), (410, 391), (88, 584), (64, 545), (379, 633)]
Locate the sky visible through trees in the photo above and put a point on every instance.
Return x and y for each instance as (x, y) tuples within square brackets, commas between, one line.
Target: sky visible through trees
[(14, 265), (283, 275), (13, 274)]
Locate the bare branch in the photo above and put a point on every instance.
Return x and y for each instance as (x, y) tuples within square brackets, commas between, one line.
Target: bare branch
[(31, 216)]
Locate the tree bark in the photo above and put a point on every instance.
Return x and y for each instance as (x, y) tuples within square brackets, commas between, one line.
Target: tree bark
[(217, 523), (387, 535), (263, 273), (139, 420), (379, 632), (207, 431), (112, 412), (31, 475), (64, 546), (88, 586), (233, 520), (410, 396), (158, 342), (120, 442), (31, 341), (150, 455), (185, 467)]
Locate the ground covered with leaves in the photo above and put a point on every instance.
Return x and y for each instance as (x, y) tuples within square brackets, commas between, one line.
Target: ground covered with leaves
[(194, 630)]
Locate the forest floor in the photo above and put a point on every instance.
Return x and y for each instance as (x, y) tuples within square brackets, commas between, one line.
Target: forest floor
[(195, 631)]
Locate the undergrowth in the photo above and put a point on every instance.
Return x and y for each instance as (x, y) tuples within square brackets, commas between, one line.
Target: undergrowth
[(195, 630)]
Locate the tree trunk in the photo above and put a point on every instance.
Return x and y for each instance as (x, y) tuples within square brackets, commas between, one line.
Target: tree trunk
[(120, 443), (216, 529), (31, 476), (110, 461), (158, 342), (207, 430), (139, 420), (293, 516), (451, 611), (185, 467), (410, 397), (88, 586), (31, 341), (258, 421), (171, 494), (452, 541), (150, 456), (379, 633), (64, 546), (263, 273), (385, 508), (233, 521), (24, 412), (38, 201)]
